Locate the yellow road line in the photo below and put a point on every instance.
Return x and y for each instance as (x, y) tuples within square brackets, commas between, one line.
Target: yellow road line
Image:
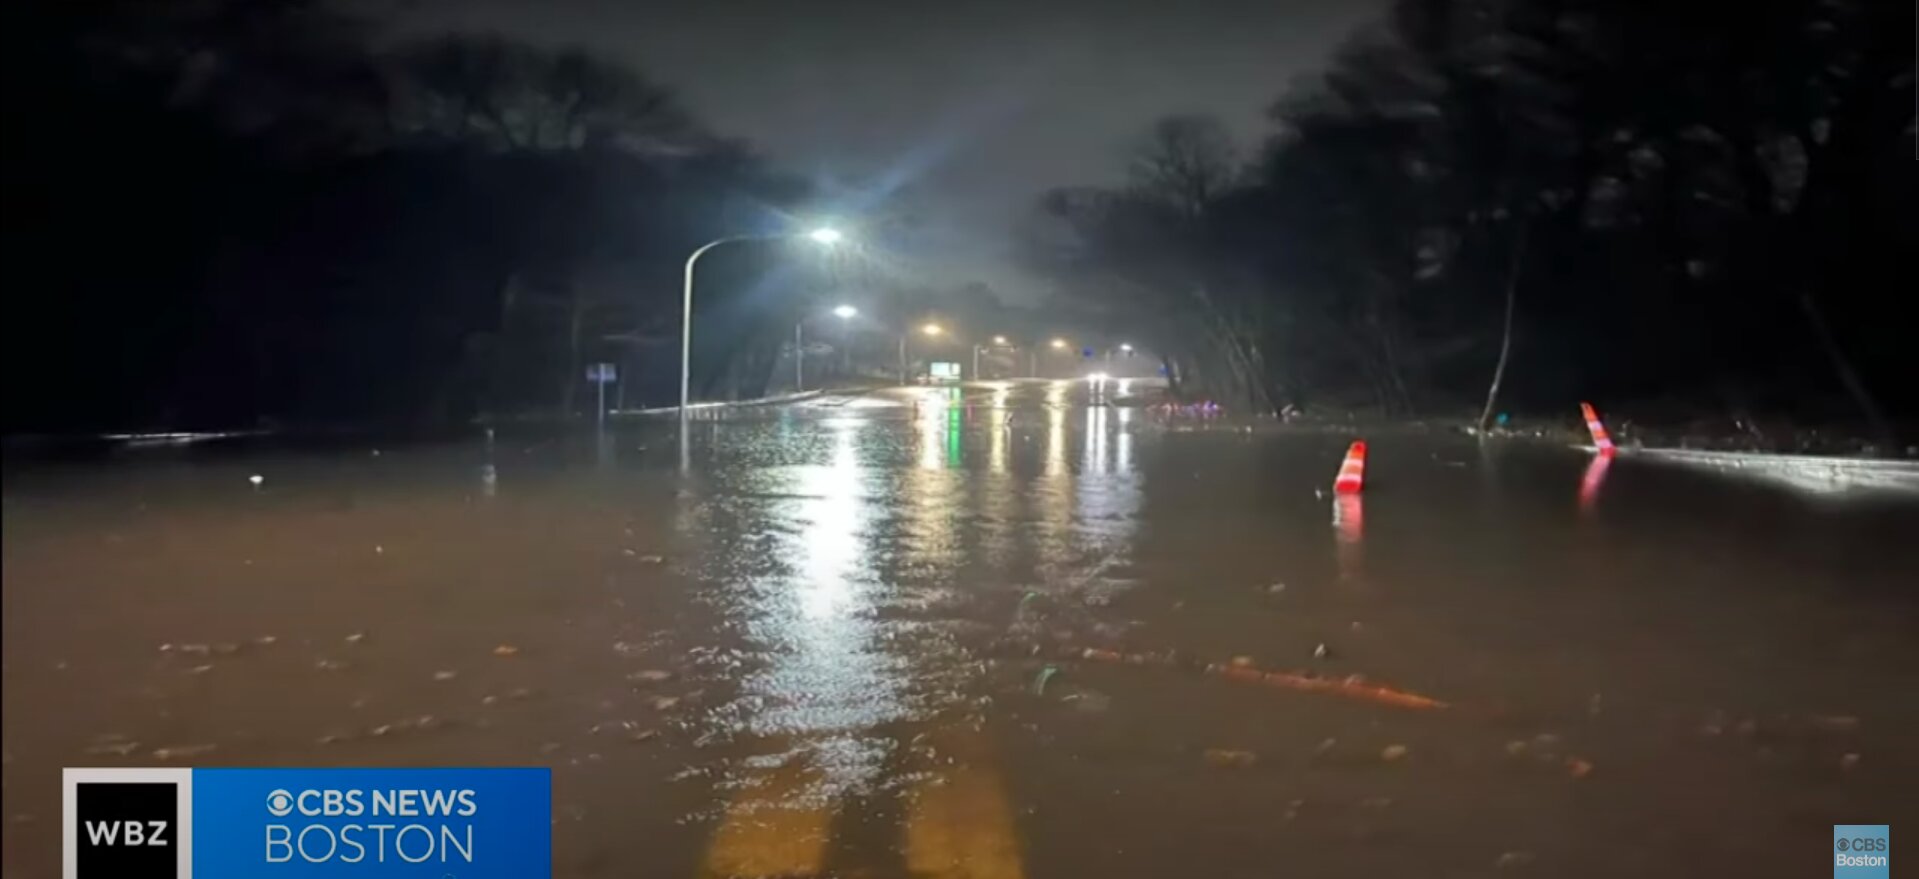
[(961, 826), (771, 831)]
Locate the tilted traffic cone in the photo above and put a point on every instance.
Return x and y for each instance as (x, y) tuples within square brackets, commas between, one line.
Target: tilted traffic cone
[(1601, 441), (1352, 473)]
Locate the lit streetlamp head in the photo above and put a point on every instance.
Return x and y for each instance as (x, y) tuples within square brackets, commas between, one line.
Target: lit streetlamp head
[(825, 235), (999, 340), (932, 329), (1059, 343), (845, 312), (1126, 347)]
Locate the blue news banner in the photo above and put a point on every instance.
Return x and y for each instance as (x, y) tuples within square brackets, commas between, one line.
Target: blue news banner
[(308, 823)]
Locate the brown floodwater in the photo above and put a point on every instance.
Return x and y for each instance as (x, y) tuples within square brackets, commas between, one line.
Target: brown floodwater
[(963, 633)]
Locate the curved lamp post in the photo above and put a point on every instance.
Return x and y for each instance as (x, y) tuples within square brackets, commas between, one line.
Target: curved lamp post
[(823, 236)]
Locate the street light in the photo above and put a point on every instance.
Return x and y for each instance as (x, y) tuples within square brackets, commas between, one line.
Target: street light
[(824, 236), (1126, 347), (930, 329), (1059, 344), (843, 312), (998, 342)]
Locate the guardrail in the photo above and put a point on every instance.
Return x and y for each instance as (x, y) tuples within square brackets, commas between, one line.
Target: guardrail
[(724, 404)]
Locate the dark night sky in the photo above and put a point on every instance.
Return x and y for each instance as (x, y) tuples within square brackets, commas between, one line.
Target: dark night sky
[(975, 107)]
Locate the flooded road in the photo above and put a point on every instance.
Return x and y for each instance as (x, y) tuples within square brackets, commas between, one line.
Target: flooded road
[(967, 633)]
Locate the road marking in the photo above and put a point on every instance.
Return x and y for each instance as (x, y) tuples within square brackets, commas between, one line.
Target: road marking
[(772, 830), (960, 825)]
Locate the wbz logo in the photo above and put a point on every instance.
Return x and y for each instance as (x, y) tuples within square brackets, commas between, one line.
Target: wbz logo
[(127, 823)]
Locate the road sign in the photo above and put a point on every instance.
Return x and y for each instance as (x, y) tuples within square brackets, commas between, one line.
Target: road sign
[(600, 373)]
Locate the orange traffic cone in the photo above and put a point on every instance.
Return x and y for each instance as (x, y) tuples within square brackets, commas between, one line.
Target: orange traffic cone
[(1601, 441), (1352, 473)]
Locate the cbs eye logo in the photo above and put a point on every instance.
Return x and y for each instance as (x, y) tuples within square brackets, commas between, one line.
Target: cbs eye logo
[(1843, 844), (279, 803), (1861, 844)]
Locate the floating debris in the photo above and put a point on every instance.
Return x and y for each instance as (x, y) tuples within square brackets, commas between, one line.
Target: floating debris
[(1835, 722), (356, 637), (506, 650), (200, 669), (445, 675), (1039, 680), (1394, 753), (1226, 758), (256, 479), (1321, 652), (1516, 748), (650, 676), (663, 703), (117, 749), (1089, 701), (181, 752), (1352, 686), (1510, 860), (1578, 768), (329, 665), (1849, 762), (421, 723), (265, 640), (652, 559)]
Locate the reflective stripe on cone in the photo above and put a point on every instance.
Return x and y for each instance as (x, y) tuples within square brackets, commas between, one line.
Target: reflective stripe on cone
[(1601, 441), (1352, 472)]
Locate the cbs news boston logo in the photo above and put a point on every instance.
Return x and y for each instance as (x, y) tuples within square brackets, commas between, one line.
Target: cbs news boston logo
[(300, 823), (1861, 851)]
